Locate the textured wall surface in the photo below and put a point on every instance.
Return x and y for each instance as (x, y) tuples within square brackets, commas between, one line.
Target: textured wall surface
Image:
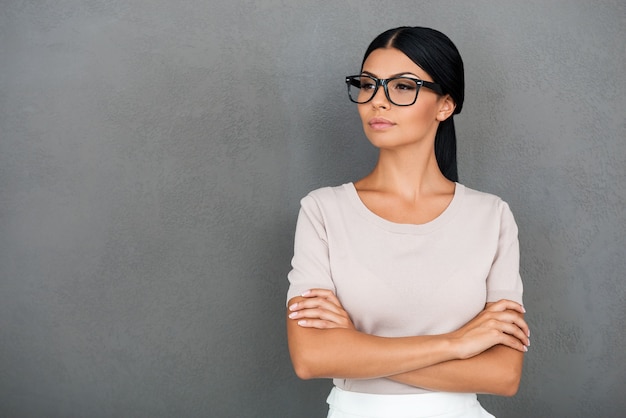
[(152, 158)]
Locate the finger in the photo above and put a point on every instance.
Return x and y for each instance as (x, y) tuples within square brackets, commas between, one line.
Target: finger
[(317, 292), (324, 293), (318, 313), (523, 325), (510, 327), (514, 331), (316, 302), (513, 342), (512, 317), (518, 319), (504, 304), (321, 319), (318, 323), (340, 316)]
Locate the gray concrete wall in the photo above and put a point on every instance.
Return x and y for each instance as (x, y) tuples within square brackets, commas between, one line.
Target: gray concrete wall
[(153, 153)]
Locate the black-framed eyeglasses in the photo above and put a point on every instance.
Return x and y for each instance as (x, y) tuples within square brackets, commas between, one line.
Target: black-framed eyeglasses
[(401, 91)]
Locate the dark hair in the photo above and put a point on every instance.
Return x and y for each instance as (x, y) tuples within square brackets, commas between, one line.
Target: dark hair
[(435, 53)]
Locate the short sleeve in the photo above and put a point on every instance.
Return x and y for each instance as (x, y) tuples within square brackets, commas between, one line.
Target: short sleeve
[(310, 263), (504, 281)]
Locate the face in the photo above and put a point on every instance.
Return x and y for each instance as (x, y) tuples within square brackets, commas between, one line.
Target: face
[(387, 125)]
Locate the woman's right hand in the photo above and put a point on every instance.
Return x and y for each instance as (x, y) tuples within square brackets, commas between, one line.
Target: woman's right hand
[(500, 322), (320, 309)]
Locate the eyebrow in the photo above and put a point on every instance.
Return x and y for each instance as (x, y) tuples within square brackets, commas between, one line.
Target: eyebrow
[(394, 75)]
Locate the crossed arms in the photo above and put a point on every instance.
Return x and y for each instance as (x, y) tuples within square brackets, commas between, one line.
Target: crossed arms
[(483, 356)]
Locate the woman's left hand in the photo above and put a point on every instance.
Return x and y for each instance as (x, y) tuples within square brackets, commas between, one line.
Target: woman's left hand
[(320, 309)]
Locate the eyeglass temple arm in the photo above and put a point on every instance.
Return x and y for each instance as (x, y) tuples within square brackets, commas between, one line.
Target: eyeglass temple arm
[(353, 81), (433, 86)]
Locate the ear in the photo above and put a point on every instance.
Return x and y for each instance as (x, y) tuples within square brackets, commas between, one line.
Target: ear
[(446, 108)]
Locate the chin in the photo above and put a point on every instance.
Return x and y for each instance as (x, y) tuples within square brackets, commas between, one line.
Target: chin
[(385, 140)]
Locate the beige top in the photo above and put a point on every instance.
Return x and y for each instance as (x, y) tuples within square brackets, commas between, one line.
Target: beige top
[(400, 280)]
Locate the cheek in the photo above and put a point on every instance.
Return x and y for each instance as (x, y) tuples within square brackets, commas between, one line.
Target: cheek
[(419, 116), (417, 124), (362, 112)]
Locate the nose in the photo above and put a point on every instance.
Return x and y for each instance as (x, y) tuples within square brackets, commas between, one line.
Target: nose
[(380, 99)]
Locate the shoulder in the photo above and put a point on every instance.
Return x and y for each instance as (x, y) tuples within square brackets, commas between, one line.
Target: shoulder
[(324, 207), (327, 196), (488, 206), (483, 200)]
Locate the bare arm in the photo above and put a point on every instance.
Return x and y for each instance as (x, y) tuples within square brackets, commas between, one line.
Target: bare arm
[(324, 343), (496, 371), (348, 353)]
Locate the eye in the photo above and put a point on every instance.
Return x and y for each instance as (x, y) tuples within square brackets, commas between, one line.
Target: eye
[(367, 84), (404, 85)]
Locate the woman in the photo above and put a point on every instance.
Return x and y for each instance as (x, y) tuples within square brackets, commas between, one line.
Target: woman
[(405, 285)]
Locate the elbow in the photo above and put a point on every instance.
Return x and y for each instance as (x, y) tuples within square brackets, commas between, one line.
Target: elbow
[(305, 368), (507, 379), (303, 361), (303, 371), (308, 363), (312, 352), (307, 357), (501, 387), (510, 383), (510, 388)]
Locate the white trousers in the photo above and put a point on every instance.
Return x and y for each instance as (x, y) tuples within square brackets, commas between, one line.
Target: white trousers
[(345, 404)]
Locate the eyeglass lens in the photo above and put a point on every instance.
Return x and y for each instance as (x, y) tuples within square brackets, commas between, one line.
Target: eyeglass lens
[(401, 91)]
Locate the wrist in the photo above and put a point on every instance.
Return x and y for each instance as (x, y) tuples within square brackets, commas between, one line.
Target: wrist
[(455, 347)]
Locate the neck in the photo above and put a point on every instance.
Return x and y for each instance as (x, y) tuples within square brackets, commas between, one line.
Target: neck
[(407, 172)]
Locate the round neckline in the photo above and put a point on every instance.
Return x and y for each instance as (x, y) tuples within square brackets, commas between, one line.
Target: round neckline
[(443, 218)]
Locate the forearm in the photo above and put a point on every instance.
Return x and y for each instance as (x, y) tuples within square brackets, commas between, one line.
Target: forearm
[(495, 371), (347, 353), (344, 352)]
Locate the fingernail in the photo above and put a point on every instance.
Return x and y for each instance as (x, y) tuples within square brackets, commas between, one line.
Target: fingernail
[(306, 293), (525, 348), (293, 307), (293, 315), (302, 322), (523, 309)]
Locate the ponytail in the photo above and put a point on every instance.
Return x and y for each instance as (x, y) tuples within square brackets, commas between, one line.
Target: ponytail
[(445, 149)]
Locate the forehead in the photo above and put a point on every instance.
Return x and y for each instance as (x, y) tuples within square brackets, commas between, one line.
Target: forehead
[(388, 62)]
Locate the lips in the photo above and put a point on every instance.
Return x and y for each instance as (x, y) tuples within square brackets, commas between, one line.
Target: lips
[(380, 123)]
